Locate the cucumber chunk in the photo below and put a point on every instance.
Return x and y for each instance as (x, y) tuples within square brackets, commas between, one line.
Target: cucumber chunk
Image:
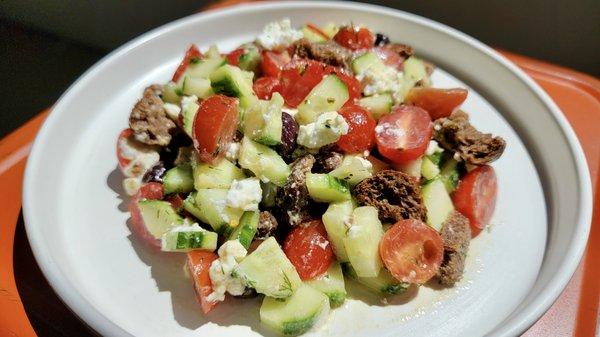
[(449, 174), (414, 71), (329, 95), (269, 191), (269, 271), (262, 121), (429, 169), (323, 187), (158, 216), (179, 179), (199, 87), (311, 35), (337, 221), (189, 204), (296, 315), (384, 283), (205, 67), (331, 284), (185, 238), (263, 161), (213, 210), (250, 59), (367, 61), (219, 175), (169, 93), (213, 52), (245, 231), (231, 81), (362, 241), (378, 106), (189, 108), (330, 29), (437, 202), (353, 169)]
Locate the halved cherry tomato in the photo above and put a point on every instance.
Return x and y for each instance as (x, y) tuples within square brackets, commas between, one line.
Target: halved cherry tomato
[(354, 37), (298, 78), (149, 191), (404, 134), (121, 158), (361, 130), (475, 197), (389, 57), (176, 201), (317, 30), (264, 87), (272, 63), (308, 249), (233, 58), (198, 264), (412, 251), (214, 127), (192, 53), (438, 102)]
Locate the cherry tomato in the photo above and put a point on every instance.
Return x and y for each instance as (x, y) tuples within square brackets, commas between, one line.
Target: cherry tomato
[(361, 130), (404, 134), (438, 102), (354, 37), (149, 191), (272, 63), (264, 87), (298, 78), (412, 251), (317, 30), (198, 264), (389, 57), (475, 197), (353, 85), (122, 159), (308, 249), (233, 58), (192, 53), (176, 201), (214, 127)]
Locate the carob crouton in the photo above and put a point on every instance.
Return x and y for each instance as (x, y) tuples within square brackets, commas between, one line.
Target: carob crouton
[(328, 52), (267, 224), (456, 235), (149, 120), (327, 160), (292, 199)]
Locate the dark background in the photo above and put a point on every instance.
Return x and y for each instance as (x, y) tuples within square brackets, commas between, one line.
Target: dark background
[(46, 44)]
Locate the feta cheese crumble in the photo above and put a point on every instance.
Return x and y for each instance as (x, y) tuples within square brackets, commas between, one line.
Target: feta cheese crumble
[(433, 147), (233, 151), (279, 35), (244, 194), (230, 254), (327, 129), (379, 80), (172, 111), (389, 130)]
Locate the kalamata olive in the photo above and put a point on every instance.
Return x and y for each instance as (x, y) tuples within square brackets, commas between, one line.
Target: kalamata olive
[(288, 136), (155, 173), (169, 152), (381, 40), (248, 293)]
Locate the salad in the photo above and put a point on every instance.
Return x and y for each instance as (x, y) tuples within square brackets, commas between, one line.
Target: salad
[(301, 160)]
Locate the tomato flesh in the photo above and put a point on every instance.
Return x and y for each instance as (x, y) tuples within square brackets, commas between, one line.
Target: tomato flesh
[(475, 197), (389, 57), (264, 87), (298, 78), (198, 264), (438, 102), (412, 251), (192, 53), (149, 191), (404, 134), (354, 38), (214, 127), (121, 158), (272, 62), (361, 130), (233, 58), (308, 249)]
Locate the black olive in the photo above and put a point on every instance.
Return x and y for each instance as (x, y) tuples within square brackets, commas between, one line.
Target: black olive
[(288, 136), (381, 40), (155, 174), (169, 152)]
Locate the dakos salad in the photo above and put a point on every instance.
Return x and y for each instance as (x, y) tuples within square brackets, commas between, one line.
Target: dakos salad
[(303, 159)]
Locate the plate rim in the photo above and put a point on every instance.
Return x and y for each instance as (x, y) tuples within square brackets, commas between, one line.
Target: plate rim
[(512, 326)]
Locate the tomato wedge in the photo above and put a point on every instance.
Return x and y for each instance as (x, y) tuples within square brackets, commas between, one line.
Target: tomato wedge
[(354, 38), (412, 251), (298, 78), (438, 102), (214, 127), (475, 197), (149, 191), (272, 63), (233, 58), (198, 264), (361, 130), (264, 87), (121, 158), (404, 134), (308, 249), (192, 53)]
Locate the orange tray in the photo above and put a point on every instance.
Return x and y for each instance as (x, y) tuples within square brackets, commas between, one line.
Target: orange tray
[(573, 314)]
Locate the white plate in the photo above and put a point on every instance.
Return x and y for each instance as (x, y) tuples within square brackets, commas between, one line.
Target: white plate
[(75, 212)]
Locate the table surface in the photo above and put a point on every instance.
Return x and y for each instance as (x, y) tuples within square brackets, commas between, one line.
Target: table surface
[(29, 305)]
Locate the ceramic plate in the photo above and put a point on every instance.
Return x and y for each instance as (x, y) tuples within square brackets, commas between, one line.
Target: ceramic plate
[(76, 211)]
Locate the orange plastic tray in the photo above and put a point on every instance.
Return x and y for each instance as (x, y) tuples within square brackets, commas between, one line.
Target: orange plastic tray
[(573, 314)]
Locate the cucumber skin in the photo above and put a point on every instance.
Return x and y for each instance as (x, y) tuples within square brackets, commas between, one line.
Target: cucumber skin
[(250, 60), (370, 283), (246, 229), (230, 81), (179, 179), (331, 284), (325, 188)]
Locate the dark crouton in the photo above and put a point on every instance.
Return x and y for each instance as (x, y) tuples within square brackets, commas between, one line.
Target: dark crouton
[(327, 160), (148, 119), (267, 224), (292, 199), (456, 235), (396, 195), (403, 50), (327, 52)]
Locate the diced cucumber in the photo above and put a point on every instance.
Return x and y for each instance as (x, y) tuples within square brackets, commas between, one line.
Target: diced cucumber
[(205, 67), (269, 271), (384, 283), (331, 29), (438, 203), (199, 87), (213, 52), (219, 175), (436, 157), (263, 161), (329, 95), (189, 108), (231, 81), (245, 231), (262, 121), (449, 174), (324, 188), (169, 93), (311, 35), (269, 191), (296, 315), (429, 170), (353, 169), (189, 204), (337, 221), (331, 284), (250, 59), (185, 238), (378, 105), (179, 179), (158, 216), (367, 61), (362, 241), (414, 70), (213, 210)]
